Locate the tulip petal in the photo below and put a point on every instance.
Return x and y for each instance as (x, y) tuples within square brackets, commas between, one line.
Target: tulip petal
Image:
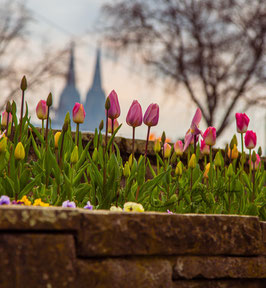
[(188, 139)]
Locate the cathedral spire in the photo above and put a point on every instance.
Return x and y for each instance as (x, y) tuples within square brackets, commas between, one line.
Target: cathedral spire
[(71, 71), (97, 83)]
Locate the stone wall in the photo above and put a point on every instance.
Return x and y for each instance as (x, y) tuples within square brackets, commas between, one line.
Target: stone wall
[(60, 247)]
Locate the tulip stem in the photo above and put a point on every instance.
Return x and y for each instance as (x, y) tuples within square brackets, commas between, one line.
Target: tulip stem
[(7, 124), (242, 150), (211, 180), (106, 130), (112, 134), (46, 132), (133, 143), (253, 174), (250, 162), (77, 135), (21, 113), (195, 144), (147, 141), (42, 127)]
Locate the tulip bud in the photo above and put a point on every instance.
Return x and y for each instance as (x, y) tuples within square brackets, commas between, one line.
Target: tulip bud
[(173, 159), (157, 146), (218, 159), (151, 116), (130, 160), (8, 107), (260, 151), (204, 148), (230, 171), (101, 126), (242, 122), (42, 110), (192, 161), (56, 139), (14, 107), (226, 149), (209, 136), (179, 169), (163, 137), (257, 163), (65, 127), (95, 155), (126, 170), (134, 115), (74, 155), (78, 113), (19, 152), (49, 100), (23, 85), (234, 153), (250, 139), (4, 118), (235, 139), (107, 104), (3, 144), (114, 110), (206, 172), (116, 124), (178, 147), (232, 143), (254, 157), (167, 150)]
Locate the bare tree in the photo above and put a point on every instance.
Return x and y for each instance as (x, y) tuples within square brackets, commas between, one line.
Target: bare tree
[(14, 41), (216, 49)]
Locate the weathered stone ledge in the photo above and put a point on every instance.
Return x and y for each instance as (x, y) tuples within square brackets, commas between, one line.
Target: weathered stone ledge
[(63, 247)]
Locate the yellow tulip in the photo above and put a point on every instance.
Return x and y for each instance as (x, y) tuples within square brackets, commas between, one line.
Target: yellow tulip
[(56, 139), (234, 152), (3, 144), (19, 152), (192, 162)]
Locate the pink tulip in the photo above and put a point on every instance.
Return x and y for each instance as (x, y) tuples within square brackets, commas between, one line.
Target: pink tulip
[(193, 130), (204, 149), (209, 136), (116, 124), (242, 122), (250, 139), (178, 147), (114, 111), (134, 115), (151, 116), (78, 113), (42, 110), (257, 163), (4, 118)]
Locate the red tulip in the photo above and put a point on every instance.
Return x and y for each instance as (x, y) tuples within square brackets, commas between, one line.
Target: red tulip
[(209, 136), (204, 149), (78, 113), (114, 111), (242, 122), (250, 139), (42, 110), (151, 116), (134, 115)]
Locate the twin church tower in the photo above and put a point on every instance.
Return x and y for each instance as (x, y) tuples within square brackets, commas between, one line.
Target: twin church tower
[(95, 99)]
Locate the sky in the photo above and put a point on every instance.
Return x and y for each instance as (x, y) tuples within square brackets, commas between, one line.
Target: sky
[(57, 22)]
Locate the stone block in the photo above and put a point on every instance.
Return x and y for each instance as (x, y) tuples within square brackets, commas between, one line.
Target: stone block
[(211, 267), (112, 234), (37, 260)]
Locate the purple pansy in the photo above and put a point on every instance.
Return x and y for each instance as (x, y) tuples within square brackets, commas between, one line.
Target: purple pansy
[(4, 200), (68, 204), (88, 206)]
